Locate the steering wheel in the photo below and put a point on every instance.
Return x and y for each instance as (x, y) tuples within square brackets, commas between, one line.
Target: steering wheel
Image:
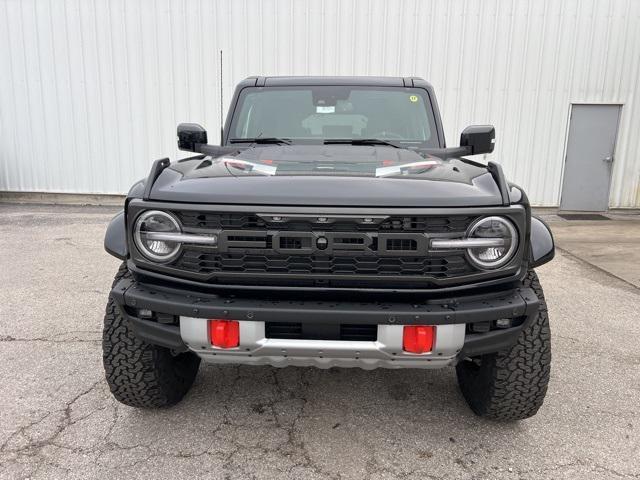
[(383, 134)]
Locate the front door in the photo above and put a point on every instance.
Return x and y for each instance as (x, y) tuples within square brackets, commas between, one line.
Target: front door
[(590, 156)]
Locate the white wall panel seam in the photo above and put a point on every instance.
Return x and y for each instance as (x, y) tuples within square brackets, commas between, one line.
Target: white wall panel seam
[(7, 130)]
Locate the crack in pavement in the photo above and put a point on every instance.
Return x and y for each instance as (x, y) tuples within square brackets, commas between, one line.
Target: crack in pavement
[(66, 422), (55, 338), (292, 450), (225, 448)]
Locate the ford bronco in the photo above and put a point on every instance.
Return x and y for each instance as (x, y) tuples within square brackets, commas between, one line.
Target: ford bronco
[(331, 228)]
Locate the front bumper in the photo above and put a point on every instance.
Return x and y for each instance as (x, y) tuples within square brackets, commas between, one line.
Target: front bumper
[(455, 318), (386, 351)]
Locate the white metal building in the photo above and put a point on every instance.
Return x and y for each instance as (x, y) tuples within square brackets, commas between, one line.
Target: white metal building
[(91, 92)]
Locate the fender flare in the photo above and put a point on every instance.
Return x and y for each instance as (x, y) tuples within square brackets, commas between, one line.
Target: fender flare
[(542, 245), (115, 238)]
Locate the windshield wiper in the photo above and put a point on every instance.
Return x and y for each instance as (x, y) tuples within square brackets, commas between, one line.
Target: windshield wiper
[(361, 141), (273, 140)]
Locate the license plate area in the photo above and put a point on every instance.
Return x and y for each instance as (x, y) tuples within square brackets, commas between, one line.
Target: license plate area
[(321, 331)]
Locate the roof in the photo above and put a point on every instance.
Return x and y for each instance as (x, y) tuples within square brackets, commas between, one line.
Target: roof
[(319, 80)]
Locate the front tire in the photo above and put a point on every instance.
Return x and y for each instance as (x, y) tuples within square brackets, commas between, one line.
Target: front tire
[(512, 384), (140, 374)]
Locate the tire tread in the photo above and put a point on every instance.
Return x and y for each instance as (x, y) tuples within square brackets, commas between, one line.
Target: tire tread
[(512, 384), (140, 374)]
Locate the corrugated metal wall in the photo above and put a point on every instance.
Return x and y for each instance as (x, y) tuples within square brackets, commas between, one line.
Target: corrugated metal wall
[(91, 91)]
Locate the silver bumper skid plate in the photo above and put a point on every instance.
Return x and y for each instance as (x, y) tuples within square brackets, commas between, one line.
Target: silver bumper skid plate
[(385, 352)]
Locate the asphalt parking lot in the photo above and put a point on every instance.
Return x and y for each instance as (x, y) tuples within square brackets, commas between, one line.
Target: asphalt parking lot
[(58, 420)]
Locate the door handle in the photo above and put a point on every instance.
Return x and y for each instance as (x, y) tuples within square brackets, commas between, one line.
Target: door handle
[(608, 159)]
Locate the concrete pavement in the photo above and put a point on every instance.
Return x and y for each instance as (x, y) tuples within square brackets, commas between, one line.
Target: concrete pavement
[(58, 420), (612, 245)]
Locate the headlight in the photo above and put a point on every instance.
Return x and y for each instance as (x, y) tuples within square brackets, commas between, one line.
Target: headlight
[(164, 225), (493, 228)]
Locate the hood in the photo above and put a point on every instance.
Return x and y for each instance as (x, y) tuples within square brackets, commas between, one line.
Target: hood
[(328, 175)]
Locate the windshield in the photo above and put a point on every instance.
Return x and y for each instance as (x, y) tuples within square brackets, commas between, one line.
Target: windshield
[(398, 115)]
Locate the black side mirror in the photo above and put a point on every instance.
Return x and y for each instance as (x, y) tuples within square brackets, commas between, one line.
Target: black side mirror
[(478, 139), (189, 135)]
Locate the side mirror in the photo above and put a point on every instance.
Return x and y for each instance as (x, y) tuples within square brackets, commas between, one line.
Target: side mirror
[(189, 135), (478, 139)]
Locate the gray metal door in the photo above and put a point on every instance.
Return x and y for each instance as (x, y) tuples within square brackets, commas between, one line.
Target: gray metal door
[(589, 160)]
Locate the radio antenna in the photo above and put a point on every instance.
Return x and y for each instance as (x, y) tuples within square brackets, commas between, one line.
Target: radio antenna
[(221, 101)]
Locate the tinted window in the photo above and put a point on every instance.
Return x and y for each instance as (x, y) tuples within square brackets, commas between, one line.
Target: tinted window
[(336, 112)]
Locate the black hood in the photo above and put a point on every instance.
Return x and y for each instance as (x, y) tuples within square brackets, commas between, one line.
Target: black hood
[(328, 175)]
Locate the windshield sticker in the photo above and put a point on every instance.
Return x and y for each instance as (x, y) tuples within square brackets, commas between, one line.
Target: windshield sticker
[(413, 98), (249, 167), (325, 109), (407, 168)]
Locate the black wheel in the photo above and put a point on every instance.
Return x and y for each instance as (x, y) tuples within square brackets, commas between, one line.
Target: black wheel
[(512, 384), (140, 374)]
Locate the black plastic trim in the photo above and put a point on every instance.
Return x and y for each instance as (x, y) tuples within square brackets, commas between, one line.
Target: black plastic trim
[(179, 282), (490, 342), (115, 238), (496, 340), (495, 169), (149, 331), (542, 244), (158, 334), (466, 309), (217, 151), (156, 169)]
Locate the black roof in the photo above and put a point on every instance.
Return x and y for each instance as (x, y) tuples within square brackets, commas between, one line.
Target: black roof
[(319, 80)]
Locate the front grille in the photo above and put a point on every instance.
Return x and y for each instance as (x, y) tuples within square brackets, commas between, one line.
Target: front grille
[(300, 331), (202, 262), (247, 221), (342, 250)]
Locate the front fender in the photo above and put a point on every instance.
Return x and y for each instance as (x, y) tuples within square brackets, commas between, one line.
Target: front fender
[(115, 238), (542, 246)]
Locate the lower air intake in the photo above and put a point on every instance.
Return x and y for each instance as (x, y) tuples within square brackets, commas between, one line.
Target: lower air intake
[(300, 331)]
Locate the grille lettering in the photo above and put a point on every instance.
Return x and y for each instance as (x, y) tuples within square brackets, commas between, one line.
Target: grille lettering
[(324, 243)]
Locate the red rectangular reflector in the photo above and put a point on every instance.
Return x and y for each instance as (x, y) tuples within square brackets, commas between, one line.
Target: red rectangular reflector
[(418, 338), (224, 333)]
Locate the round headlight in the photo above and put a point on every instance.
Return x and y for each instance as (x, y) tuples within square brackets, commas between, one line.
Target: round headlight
[(155, 221), (493, 227)]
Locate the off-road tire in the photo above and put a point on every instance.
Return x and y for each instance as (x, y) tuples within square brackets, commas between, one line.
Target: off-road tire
[(140, 374), (512, 384)]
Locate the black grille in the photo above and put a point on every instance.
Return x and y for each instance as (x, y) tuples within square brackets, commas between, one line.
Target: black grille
[(203, 262), (258, 248), (284, 330), (402, 244), (242, 221), (236, 221), (300, 331), (363, 333), (292, 243)]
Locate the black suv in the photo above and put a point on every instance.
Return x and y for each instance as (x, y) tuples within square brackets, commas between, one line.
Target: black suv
[(331, 228)]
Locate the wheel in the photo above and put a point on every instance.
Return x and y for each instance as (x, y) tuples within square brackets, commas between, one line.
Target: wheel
[(512, 384), (140, 374)]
